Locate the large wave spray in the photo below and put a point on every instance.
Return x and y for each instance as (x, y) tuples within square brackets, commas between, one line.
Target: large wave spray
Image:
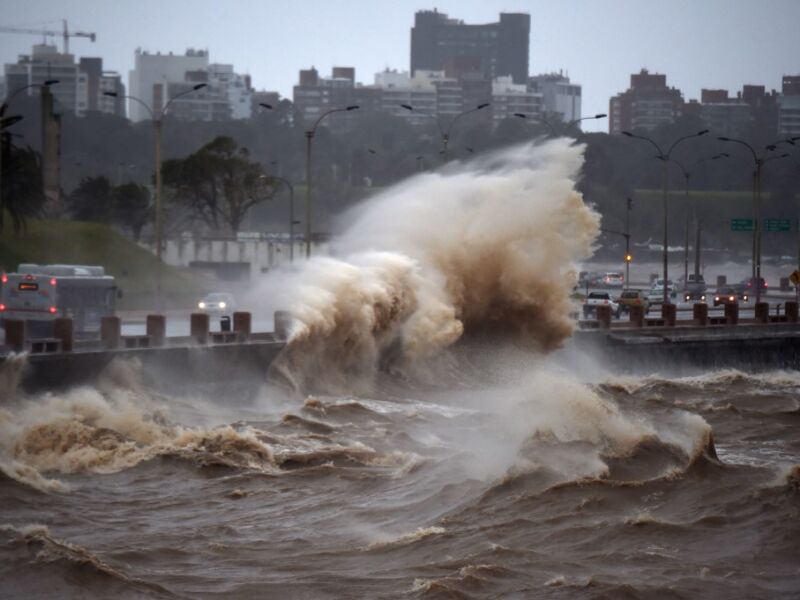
[(487, 246)]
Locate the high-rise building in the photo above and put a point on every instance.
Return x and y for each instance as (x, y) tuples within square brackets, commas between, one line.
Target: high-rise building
[(152, 73), (439, 43), (314, 95), (560, 97), (789, 106), (726, 116), (509, 98), (47, 63), (644, 106)]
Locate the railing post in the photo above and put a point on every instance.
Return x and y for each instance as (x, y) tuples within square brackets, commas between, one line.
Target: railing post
[(242, 324), (668, 313), (62, 330), (110, 330), (156, 329), (636, 315), (791, 307), (762, 312), (731, 313), (700, 314), (199, 327), (283, 322), (604, 316), (15, 334)]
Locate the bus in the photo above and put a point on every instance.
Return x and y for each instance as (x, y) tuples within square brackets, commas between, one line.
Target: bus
[(38, 294)]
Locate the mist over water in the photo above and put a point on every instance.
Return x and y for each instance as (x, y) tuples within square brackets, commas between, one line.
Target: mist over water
[(420, 438)]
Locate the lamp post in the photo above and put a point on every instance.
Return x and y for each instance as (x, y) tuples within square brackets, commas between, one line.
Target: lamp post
[(551, 126), (310, 136), (664, 157), (157, 123), (9, 121), (687, 174), (444, 134), (758, 164)]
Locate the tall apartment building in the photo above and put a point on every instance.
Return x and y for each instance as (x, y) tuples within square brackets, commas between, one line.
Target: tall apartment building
[(80, 84), (439, 43), (157, 78), (509, 98), (559, 96), (789, 106), (314, 95), (419, 92), (724, 115), (645, 105)]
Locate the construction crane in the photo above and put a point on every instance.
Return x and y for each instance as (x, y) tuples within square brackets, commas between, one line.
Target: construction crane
[(66, 34)]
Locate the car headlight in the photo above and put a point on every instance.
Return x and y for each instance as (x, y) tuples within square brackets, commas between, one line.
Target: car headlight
[(716, 298), (201, 305), (703, 298), (222, 305)]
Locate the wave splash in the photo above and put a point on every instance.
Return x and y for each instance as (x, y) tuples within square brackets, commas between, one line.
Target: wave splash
[(483, 248)]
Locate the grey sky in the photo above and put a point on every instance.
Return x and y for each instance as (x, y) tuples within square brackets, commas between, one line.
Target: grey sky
[(697, 43)]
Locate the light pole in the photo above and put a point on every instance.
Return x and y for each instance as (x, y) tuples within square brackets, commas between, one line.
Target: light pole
[(664, 157), (444, 134), (157, 123), (310, 136), (687, 174), (553, 130), (8, 122), (758, 164)]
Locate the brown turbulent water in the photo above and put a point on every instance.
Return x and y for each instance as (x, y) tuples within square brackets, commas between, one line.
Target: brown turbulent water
[(512, 483), (461, 471)]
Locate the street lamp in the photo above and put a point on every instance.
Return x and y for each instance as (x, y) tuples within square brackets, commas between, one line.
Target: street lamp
[(551, 126), (664, 157), (157, 123), (687, 174), (758, 162), (310, 136), (444, 134), (9, 121)]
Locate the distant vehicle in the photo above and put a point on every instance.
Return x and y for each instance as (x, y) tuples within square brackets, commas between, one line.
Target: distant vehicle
[(218, 304), (595, 299), (694, 296), (613, 279), (630, 298), (695, 284), (656, 293), (38, 294), (749, 285), (729, 295)]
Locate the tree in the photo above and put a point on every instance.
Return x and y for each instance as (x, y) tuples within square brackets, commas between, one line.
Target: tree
[(132, 207), (219, 183), (22, 194), (92, 200)]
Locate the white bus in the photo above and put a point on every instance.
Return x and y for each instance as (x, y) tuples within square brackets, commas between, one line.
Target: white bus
[(39, 294)]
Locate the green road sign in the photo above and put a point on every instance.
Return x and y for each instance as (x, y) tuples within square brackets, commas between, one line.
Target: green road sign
[(777, 225), (741, 224)]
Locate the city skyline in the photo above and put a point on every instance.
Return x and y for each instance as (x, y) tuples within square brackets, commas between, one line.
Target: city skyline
[(744, 39)]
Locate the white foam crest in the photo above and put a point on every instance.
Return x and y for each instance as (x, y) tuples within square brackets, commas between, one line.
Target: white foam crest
[(486, 246)]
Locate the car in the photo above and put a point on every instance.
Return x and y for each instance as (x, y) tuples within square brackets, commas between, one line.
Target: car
[(613, 279), (694, 296), (630, 298), (656, 293), (729, 295), (218, 303), (749, 285), (595, 299), (694, 284)]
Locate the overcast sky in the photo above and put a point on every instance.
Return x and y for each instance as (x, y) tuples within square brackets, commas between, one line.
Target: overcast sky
[(697, 43)]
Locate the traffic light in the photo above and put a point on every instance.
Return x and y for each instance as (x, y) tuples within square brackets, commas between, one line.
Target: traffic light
[(628, 258)]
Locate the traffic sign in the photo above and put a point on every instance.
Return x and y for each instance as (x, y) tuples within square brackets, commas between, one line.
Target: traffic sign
[(777, 225), (741, 224)]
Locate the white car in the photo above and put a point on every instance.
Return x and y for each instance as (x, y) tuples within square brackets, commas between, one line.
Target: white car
[(613, 279), (595, 299), (219, 303), (656, 293)]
